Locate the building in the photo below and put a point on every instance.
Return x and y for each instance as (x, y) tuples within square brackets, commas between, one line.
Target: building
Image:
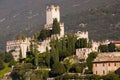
[(95, 46), (53, 12), (44, 45), (117, 43), (81, 34), (82, 53), (16, 46), (106, 62)]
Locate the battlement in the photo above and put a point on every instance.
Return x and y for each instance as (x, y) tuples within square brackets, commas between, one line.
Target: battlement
[(81, 34), (52, 7), (15, 42), (83, 52), (52, 12), (61, 24)]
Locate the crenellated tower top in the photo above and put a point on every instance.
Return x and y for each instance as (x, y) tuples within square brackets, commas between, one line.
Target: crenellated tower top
[(52, 12)]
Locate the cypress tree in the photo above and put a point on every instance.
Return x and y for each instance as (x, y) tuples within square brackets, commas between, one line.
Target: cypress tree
[(55, 27)]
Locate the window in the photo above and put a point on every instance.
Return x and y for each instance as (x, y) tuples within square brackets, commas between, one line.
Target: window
[(109, 64), (96, 65), (115, 64), (96, 72), (103, 64), (103, 72)]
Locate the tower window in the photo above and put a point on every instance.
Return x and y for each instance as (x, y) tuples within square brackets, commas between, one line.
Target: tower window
[(96, 65)]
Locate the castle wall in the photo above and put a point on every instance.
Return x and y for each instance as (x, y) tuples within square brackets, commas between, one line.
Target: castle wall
[(16, 45), (82, 53), (81, 34)]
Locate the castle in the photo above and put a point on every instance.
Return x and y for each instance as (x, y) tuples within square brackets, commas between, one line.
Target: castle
[(17, 46), (52, 12)]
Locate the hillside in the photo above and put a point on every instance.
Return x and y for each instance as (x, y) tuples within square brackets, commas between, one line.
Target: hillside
[(28, 16), (101, 22)]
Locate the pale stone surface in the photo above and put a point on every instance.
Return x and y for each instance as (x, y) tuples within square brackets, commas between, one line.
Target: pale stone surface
[(16, 45)]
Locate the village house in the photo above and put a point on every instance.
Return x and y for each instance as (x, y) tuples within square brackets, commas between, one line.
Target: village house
[(106, 62)]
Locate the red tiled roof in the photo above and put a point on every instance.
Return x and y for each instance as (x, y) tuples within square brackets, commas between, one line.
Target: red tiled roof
[(107, 57), (116, 42)]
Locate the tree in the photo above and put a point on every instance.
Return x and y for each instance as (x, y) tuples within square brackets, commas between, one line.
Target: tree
[(1, 65), (55, 27), (111, 76), (19, 71), (103, 48), (111, 47), (77, 68), (21, 37), (44, 33), (8, 57), (90, 58), (118, 48), (71, 40), (81, 43), (2, 56), (47, 59), (55, 71), (54, 56)]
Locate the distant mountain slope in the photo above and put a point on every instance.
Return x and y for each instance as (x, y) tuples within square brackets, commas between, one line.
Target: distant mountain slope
[(101, 22), (28, 16)]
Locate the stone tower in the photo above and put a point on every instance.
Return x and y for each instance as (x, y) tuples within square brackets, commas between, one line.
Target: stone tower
[(52, 12)]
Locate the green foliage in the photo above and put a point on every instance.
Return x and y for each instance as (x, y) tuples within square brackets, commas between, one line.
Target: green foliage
[(67, 65), (21, 37), (54, 56), (44, 33), (107, 48), (77, 68), (89, 60), (38, 75), (103, 48), (117, 71), (69, 77), (118, 48), (30, 57), (111, 47), (20, 56), (5, 70), (36, 35), (2, 56), (1, 65), (71, 40), (111, 76), (8, 57), (55, 27), (47, 59), (81, 43), (19, 71), (55, 71), (93, 77)]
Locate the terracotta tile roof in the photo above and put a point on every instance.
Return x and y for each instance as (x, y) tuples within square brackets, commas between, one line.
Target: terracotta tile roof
[(116, 42), (107, 57)]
